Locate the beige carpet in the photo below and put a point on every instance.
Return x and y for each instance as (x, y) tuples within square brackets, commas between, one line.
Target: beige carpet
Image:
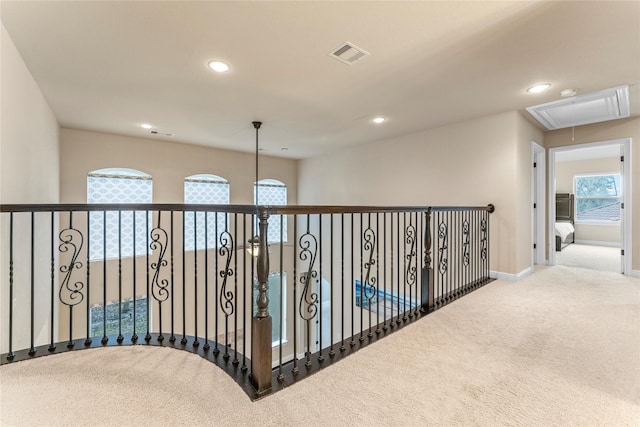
[(561, 347), (601, 258)]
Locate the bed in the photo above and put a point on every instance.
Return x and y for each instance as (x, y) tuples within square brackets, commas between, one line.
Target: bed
[(565, 230)]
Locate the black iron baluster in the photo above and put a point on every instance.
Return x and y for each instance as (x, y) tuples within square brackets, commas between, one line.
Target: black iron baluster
[(332, 352), (378, 274), (134, 335), (308, 299), (443, 258), (104, 339), (363, 284), (195, 343), (295, 298), (280, 374), (183, 341), (254, 277), (353, 292), (320, 356), (391, 324), (226, 297), (159, 241), (404, 265), (216, 350), (52, 345), (75, 296), (400, 258), (147, 336), (420, 232), (483, 253), (206, 345), (11, 354), (411, 270), (384, 251), (465, 248), (342, 347), (478, 247), (235, 292), (87, 341), (120, 337), (370, 285), (32, 350), (172, 338), (244, 290)]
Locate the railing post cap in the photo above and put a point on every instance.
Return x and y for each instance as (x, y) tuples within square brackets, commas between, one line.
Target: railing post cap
[(492, 208)]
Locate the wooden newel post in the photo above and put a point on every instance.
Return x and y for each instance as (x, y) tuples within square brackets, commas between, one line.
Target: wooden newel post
[(427, 269), (261, 325)]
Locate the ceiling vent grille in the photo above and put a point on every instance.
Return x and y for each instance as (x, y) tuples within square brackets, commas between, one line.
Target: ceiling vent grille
[(348, 53), (601, 106)]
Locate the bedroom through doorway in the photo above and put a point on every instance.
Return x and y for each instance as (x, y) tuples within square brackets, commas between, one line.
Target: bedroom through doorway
[(587, 196)]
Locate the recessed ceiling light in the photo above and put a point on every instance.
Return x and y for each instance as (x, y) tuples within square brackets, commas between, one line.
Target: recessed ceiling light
[(146, 126), (378, 120), (218, 66), (539, 88)]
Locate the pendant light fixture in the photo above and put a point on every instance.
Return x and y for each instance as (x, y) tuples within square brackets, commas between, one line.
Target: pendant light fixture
[(254, 242)]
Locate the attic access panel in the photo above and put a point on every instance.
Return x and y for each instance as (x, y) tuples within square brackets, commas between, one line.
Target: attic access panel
[(601, 106)]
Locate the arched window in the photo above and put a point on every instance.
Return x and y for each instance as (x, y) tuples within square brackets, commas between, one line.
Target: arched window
[(204, 189), (273, 193), (118, 185)]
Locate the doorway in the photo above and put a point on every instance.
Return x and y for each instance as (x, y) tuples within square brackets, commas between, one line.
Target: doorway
[(597, 178), (538, 176)]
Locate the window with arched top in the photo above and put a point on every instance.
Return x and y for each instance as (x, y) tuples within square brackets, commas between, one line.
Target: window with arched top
[(204, 189), (272, 192), (111, 233)]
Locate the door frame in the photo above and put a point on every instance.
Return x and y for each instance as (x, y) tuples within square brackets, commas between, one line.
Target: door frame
[(626, 172), (538, 190)]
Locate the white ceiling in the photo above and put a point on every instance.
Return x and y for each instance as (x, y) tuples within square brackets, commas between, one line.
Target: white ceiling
[(109, 66)]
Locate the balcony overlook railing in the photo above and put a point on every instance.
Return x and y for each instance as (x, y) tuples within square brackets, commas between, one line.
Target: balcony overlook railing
[(271, 294)]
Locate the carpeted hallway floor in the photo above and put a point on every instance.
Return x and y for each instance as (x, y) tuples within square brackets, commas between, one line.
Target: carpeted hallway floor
[(601, 258), (561, 347)]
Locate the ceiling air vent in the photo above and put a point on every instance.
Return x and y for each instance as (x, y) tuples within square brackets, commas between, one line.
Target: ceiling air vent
[(608, 104), (348, 53)]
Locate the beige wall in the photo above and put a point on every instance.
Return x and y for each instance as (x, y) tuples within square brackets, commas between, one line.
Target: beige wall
[(29, 135), (623, 128), (471, 163), (527, 133), (565, 172), (167, 162), (28, 144)]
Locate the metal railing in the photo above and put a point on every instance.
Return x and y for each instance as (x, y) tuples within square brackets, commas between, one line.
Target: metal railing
[(270, 308)]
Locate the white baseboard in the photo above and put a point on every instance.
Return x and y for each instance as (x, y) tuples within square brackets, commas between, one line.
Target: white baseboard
[(511, 277), (634, 273), (598, 243)]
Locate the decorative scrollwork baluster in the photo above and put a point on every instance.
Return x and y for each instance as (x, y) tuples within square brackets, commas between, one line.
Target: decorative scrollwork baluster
[(410, 241), (410, 273), (483, 240), (159, 239), (226, 296), (308, 300), (465, 243), (443, 257), (308, 306), (159, 287), (369, 289), (443, 261), (71, 293)]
